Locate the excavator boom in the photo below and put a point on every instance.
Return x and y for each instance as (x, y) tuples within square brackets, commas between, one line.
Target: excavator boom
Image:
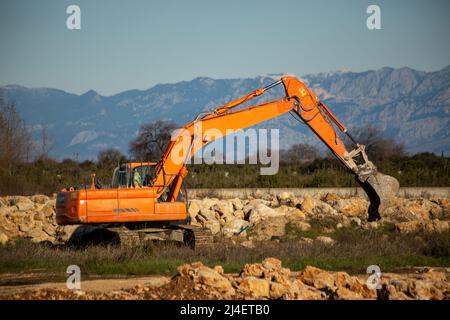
[(312, 111)]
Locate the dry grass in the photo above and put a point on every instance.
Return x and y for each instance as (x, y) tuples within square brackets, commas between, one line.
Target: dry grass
[(354, 251)]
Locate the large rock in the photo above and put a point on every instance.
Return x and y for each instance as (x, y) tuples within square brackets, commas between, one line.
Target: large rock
[(213, 226), (37, 235), (223, 207), (234, 226), (351, 206), (207, 203), (49, 209), (262, 212), (253, 204), (434, 225), (285, 198), (210, 281), (300, 291), (290, 212), (254, 287), (317, 278), (40, 198), (237, 204), (194, 208), (239, 214), (277, 290), (268, 229), (314, 206), (308, 204), (205, 215), (24, 206)]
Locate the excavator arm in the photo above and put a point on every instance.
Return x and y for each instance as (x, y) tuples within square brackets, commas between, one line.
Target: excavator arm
[(227, 119)]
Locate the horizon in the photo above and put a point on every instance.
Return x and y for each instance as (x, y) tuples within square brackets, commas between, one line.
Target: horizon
[(209, 77)]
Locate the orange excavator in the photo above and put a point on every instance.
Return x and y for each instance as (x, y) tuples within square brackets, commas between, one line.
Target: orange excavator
[(143, 201)]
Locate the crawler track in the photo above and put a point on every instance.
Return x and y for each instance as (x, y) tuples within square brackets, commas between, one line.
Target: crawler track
[(192, 236)]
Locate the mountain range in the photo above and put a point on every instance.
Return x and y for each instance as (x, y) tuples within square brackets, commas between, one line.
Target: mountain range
[(409, 105)]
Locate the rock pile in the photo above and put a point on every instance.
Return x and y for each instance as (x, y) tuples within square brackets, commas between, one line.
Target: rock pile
[(269, 280), (31, 218), (254, 219), (268, 216)]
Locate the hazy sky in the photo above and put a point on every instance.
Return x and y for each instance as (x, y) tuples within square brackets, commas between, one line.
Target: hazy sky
[(137, 44)]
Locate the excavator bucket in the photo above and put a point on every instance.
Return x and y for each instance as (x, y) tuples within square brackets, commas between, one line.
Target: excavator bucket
[(381, 190)]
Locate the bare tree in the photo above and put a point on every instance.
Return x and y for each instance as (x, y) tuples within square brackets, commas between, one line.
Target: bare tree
[(46, 143), (378, 147), (110, 156), (300, 153), (151, 140), (15, 138)]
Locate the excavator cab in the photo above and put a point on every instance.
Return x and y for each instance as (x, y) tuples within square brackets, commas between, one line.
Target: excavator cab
[(134, 175)]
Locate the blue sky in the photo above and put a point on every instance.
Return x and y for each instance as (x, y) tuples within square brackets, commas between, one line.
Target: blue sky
[(136, 44)]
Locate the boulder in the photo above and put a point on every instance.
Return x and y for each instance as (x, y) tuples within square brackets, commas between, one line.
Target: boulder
[(291, 212), (330, 197), (262, 212), (268, 229), (314, 206), (254, 203), (343, 293), (237, 204), (252, 270), (254, 287), (40, 198), (24, 206), (223, 207), (207, 203), (308, 204), (317, 278), (194, 208), (277, 290), (434, 225), (299, 291), (212, 225), (272, 264), (205, 215), (234, 226), (351, 207), (285, 198), (39, 216), (49, 209), (211, 281), (239, 214), (37, 235)]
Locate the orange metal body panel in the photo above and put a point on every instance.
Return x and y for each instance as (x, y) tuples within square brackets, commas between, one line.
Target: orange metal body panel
[(116, 205)]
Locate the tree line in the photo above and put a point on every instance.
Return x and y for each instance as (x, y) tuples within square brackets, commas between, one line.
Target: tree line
[(26, 166)]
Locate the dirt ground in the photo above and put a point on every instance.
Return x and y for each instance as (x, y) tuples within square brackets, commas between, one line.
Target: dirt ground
[(31, 285), (16, 283)]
